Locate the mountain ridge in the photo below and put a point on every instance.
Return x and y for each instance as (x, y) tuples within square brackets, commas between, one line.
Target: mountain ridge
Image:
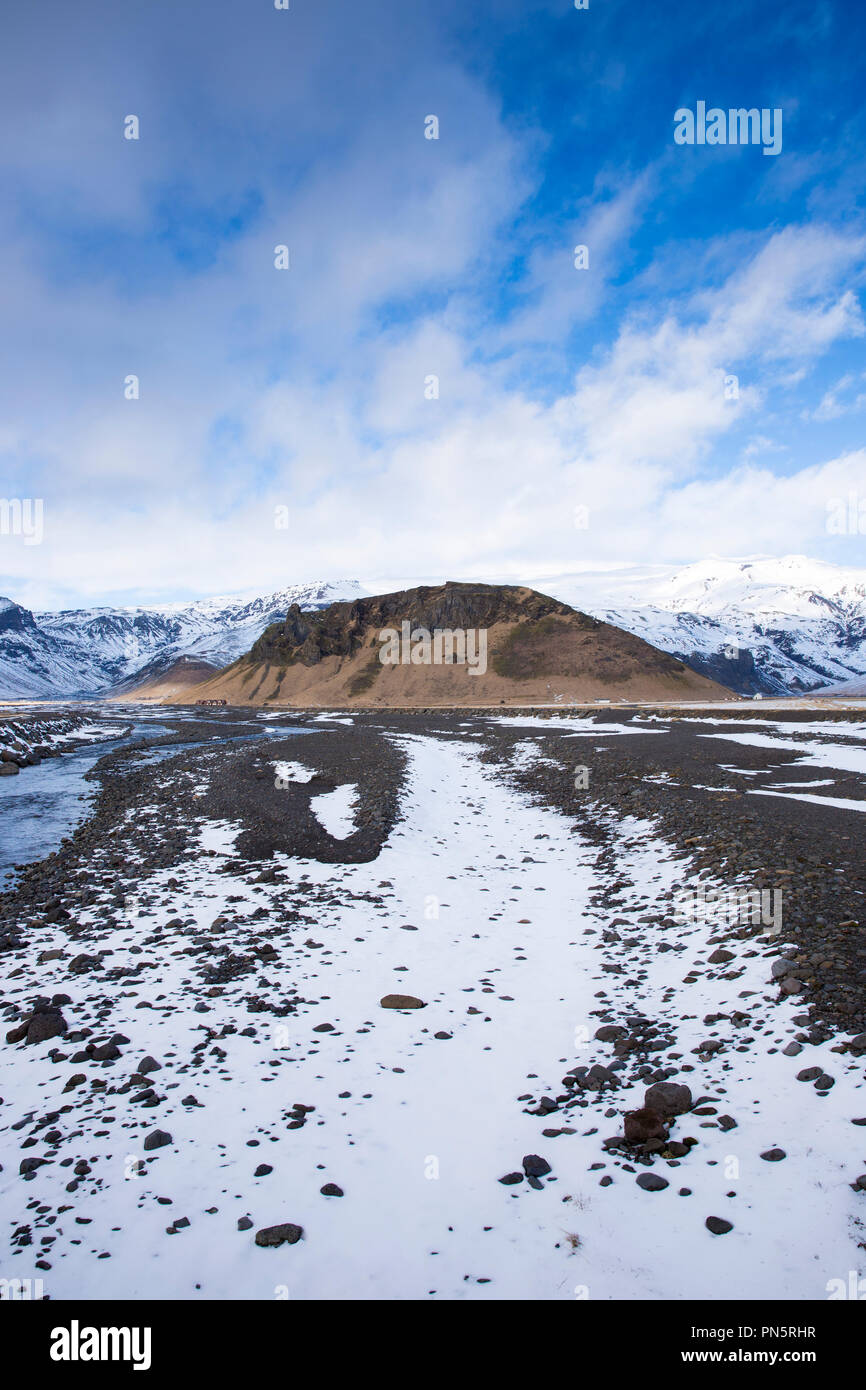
[(461, 643), (758, 624), (92, 651)]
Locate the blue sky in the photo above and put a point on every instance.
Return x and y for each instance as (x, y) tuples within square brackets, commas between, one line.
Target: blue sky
[(600, 389)]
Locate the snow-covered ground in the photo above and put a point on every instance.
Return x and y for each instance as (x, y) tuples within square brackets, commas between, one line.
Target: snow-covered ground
[(503, 920), (813, 752), (336, 810), (24, 735)]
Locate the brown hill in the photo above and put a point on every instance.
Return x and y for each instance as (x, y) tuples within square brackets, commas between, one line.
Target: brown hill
[(172, 684), (449, 644)]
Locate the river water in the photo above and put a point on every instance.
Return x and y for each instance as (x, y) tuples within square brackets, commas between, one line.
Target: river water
[(45, 803)]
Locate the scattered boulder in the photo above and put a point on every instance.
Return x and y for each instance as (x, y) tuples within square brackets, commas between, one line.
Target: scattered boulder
[(791, 985), (157, 1139), (718, 1225), (610, 1032), (29, 1165), (774, 1155), (669, 1098), (640, 1126), (80, 964), (287, 1234), (535, 1167), (651, 1182), (401, 1001), (331, 1190), (46, 1022)]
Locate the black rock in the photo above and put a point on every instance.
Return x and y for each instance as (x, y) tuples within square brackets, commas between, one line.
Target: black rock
[(534, 1166), (79, 964), (287, 1234), (718, 1225), (774, 1155), (157, 1139), (668, 1098), (29, 1165), (651, 1182), (331, 1190), (511, 1179)]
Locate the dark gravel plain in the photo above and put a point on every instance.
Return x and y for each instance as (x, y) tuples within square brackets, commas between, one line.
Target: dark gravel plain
[(812, 852)]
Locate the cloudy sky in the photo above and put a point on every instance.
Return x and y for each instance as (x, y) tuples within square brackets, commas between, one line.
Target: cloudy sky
[(287, 425)]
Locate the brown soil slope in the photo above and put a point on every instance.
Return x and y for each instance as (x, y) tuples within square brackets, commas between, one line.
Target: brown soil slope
[(536, 649), (172, 684)]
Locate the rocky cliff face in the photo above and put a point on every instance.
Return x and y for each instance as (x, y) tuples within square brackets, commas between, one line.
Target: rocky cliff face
[(342, 628)]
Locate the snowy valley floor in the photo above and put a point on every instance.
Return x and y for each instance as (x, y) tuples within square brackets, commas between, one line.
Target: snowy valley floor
[(435, 861)]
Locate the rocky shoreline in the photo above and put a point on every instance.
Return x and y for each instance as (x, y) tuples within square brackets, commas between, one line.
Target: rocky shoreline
[(26, 741)]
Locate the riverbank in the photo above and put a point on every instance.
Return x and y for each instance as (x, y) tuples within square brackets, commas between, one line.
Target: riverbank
[(211, 948)]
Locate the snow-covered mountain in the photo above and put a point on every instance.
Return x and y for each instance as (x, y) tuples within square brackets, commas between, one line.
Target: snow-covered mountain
[(756, 625), (87, 651), (769, 625)]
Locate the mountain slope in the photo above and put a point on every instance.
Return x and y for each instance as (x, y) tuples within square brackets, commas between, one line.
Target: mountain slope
[(91, 651), (771, 625), (520, 647)]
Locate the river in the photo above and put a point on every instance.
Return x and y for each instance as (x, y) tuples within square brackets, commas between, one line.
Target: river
[(43, 804)]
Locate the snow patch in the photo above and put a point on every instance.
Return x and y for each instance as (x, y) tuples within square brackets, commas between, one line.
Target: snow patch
[(335, 810)]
